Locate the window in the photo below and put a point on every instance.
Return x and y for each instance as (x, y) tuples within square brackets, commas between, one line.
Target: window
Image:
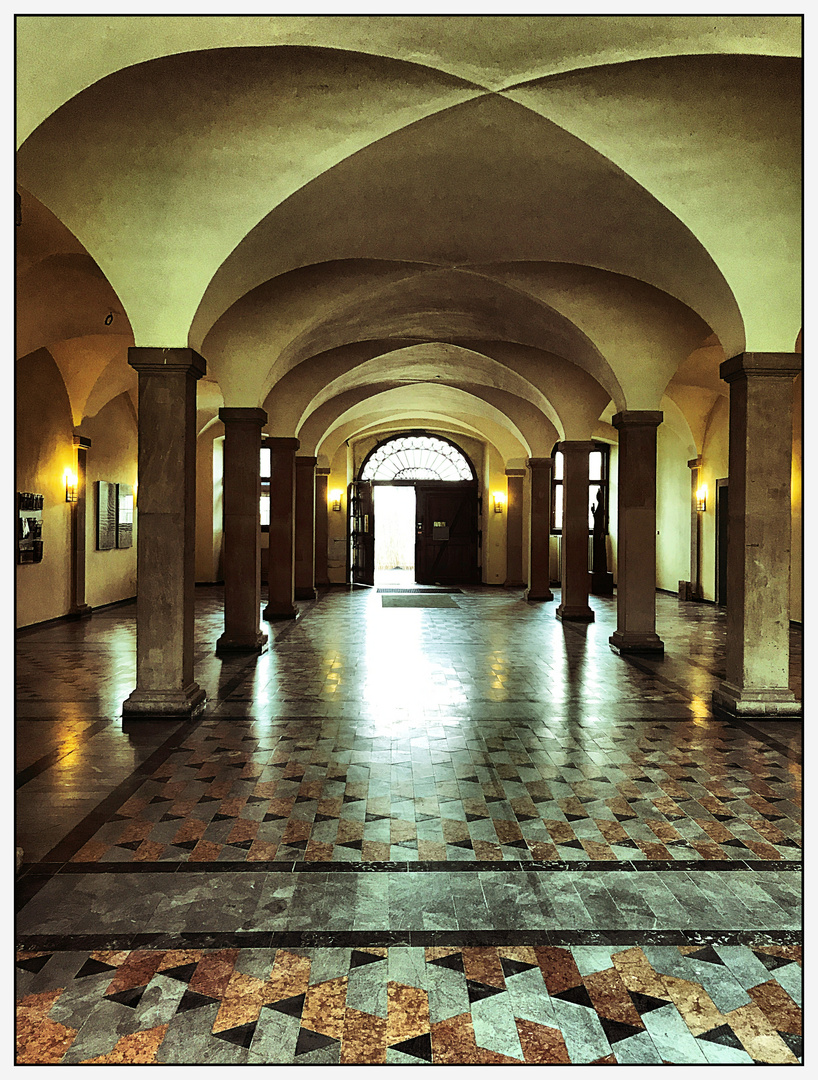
[(597, 486), (266, 470), (416, 457)]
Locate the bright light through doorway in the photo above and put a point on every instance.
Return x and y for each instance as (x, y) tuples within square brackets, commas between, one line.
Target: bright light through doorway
[(394, 534)]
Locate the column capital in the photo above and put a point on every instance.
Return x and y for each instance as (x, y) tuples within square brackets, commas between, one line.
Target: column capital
[(243, 416), (322, 470), (167, 361), (636, 418), (540, 463), (282, 443), (82, 443), (515, 472), (306, 462), (577, 446), (695, 463), (761, 364)]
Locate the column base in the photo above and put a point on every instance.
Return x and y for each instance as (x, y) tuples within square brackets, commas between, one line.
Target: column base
[(273, 612), (82, 611), (631, 641), (569, 613), (304, 592), (164, 704), (257, 644), (533, 594), (772, 702), (510, 584)]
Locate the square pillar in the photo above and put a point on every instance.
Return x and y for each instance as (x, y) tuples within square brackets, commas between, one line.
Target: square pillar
[(759, 520), (321, 527), (514, 529), (574, 604), (165, 541), (305, 528), (281, 565), (636, 537), (540, 532), (242, 531), (79, 609)]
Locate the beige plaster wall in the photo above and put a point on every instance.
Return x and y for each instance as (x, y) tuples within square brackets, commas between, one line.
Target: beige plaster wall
[(338, 478), (110, 575), (45, 447), (672, 510), (715, 466), (494, 525), (797, 567), (209, 516)]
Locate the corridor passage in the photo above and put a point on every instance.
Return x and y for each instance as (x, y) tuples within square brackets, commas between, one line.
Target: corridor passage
[(425, 826)]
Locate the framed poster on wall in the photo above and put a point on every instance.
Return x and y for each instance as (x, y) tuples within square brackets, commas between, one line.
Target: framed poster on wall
[(106, 515)]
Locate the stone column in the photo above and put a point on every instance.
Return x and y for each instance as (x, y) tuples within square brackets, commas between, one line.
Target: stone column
[(281, 566), (514, 530), (242, 531), (539, 576), (758, 553), (321, 527), (636, 538), (79, 609), (305, 528), (574, 605), (165, 539)]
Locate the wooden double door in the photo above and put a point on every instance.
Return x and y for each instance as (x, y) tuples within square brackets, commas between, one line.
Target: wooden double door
[(447, 533)]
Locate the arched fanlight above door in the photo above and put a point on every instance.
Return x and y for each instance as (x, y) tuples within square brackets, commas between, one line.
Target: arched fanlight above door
[(416, 456)]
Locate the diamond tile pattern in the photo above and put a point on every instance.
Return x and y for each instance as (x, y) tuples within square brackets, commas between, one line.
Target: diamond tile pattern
[(523, 1003)]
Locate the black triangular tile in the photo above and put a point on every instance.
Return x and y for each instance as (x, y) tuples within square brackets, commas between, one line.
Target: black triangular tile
[(186, 845), (624, 817), (569, 843), (454, 961), (577, 994), (238, 1036), (224, 817), (291, 1006), (478, 991), (615, 1030), (788, 843), (355, 845), (466, 844), (521, 817), (419, 1047), (469, 779), (476, 817), (120, 817), (256, 799), (171, 817), (707, 953), (771, 962), (360, 959), (724, 817), (131, 997), (519, 844), (245, 845), (160, 798), (733, 843), (182, 973), (645, 1003), (368, 817), (276, 817), (209, 798), (723, 1035), (312, 1040), (35, 963), (300, 844), (305, 798), (131, 845), (318, 817), (514, 967), (191, 1000), (494, 798), (795, 1043), (352, 798), (425, 817), (576, 817)]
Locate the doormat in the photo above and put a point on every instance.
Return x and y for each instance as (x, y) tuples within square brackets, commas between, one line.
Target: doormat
[(429, 600), (424, 591)]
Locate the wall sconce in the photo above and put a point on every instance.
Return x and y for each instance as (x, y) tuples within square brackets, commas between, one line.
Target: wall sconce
[(499, 499), (335, 499), (701, 498), (70, 486)]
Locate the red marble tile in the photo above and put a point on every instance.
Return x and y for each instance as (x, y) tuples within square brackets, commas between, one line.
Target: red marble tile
[(205, 851), (483, 965), (407, 1012), (289, 976), (139, 1048), (243, 830), (611, 998), (558, 968), (137, 970), (39, 1040), (325, 1008), (213, 972), (453, 1043), (778, 1006), (363, 1041)]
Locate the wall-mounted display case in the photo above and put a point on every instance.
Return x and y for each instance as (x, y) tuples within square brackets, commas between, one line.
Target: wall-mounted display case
[(29, 527)]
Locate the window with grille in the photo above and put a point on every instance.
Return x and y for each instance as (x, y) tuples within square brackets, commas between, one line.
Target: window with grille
[(416, 457), (597, 487)]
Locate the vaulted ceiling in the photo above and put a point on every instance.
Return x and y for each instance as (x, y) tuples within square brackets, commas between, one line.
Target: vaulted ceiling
[(521, 219)]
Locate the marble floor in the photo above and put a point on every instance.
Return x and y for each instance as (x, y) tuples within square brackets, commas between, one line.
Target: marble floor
[(422, 827)]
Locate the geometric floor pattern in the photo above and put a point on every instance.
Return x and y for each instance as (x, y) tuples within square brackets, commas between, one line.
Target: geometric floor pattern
[(446, 830), (539, 1005), (327, 790)]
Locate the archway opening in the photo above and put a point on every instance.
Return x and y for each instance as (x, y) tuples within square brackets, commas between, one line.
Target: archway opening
[(395, 535)]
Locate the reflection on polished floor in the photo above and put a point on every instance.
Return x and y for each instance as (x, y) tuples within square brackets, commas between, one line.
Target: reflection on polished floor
[(407, 834)]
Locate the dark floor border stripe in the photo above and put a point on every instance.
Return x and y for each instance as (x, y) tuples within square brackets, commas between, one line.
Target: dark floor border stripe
[(50, 869), (295, 939), (38, 767)]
